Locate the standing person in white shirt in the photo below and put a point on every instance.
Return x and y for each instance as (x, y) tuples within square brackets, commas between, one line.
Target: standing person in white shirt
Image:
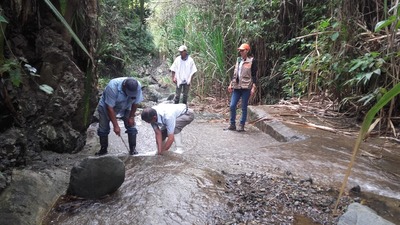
[(182, 70)]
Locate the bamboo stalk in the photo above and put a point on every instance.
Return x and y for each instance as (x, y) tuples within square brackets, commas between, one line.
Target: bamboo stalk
[(381, 37), (314, 34)]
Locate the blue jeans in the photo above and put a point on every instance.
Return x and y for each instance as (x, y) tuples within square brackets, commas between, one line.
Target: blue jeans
[(236, 95), (104, 122)]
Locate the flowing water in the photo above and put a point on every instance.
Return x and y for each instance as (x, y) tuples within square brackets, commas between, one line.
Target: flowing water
[(188, 188)]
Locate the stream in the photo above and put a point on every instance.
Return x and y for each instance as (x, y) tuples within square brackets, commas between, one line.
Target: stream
[(190, 187)]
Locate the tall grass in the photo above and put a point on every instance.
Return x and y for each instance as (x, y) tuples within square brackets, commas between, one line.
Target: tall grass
[(209, 36), (210, 57)]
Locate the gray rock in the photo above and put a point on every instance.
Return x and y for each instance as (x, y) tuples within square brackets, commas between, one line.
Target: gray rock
[(3, 182), (27, 200), (96, 177), (358, 214)]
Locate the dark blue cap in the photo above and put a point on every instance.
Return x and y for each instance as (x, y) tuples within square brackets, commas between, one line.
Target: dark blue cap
[(131, 86)]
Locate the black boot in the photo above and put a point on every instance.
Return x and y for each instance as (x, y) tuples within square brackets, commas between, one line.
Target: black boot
[(104, 145), (132, 144), (176, 99)]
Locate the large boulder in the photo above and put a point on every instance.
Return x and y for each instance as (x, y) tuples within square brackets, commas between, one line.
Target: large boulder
[(96, 177), (358, 214), (31, 194)]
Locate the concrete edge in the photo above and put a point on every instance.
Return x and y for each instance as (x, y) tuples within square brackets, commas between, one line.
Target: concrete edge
[(272, 127)]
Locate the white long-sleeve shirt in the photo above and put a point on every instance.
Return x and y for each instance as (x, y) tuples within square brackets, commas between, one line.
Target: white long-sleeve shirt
[(184, 69)]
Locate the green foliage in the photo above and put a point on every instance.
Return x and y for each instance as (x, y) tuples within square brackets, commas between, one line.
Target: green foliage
[(255, 18), (366, 99), (63, 6), (102, 82), (393, 19), (11, 68), (365, 68), (308, 48), (210, 51), (124, 38), (135, 40), (311, 69), (363, 80), (3, 20), (3, 24), (191, 26), (295, 60), (178, 28), (294, 82)]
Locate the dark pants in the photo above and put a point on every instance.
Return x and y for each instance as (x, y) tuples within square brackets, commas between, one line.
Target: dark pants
[(184, 89), (104, 122), (181, 122)]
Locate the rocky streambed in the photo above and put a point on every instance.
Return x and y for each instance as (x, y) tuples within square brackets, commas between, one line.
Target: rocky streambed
[(243, 193), (256, 198), (261, 199)]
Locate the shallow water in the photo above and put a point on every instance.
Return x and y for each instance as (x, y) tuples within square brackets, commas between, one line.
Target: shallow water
[(188, 188)]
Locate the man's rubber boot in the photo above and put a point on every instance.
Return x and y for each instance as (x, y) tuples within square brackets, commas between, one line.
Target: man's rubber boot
[(132, 144), (178, 143), (103, 146)]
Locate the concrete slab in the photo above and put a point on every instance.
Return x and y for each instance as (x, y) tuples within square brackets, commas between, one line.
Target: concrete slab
[(269, 125)]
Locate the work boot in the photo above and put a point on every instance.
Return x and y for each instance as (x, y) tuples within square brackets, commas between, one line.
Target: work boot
[(178, 143), (184, 100), (132, 144), (103, 146), (176, 99), (241, 128), (231, 127)]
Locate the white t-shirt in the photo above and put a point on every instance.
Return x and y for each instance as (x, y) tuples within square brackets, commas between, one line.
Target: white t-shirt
[(167, 114)]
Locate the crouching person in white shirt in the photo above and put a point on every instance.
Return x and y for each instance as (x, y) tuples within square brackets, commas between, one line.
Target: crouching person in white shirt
[(167, 121)]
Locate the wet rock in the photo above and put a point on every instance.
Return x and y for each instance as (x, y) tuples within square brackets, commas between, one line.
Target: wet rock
[(152, 94), (3, 182), (96, 177), (309, 180), (12, 147), (356, 189), (32, 192), (358, 214)]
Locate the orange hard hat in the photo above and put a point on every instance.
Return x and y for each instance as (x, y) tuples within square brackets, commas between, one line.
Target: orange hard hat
[(244, 46)]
